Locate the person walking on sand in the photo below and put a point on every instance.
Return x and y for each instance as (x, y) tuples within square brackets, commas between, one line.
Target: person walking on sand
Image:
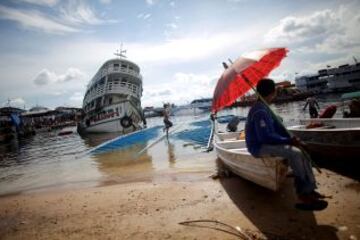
[(265, 136), (311, 101), (167, 122)]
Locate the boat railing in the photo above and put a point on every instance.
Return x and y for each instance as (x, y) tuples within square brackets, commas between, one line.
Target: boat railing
[(109, 70), (126, 90)]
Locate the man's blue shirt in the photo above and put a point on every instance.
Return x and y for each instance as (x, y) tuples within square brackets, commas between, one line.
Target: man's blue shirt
[(262, 128)]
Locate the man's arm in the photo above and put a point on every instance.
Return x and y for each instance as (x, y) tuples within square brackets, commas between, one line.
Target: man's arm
[(265, 130), (307, 102), (317, 104)]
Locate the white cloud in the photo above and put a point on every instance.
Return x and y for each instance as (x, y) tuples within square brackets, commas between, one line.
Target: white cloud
[(187, 49), (45, 76), (320, 24), (15, 102), (172, 4), (78, 12), (327, 31), (236, 1), (150, 2), (144, 16), (105, 1), (31, 19), (49, 3), (181, 89), (71, 15), (76, 99), (171, 25)]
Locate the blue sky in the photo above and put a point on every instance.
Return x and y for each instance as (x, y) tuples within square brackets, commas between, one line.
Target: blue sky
[(50, 49)]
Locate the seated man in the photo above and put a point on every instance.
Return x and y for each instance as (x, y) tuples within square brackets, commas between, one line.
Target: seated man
[(266, 136), (233, 124)]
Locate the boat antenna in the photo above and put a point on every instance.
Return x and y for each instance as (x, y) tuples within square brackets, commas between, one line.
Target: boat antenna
[(120, 52), (356, 61)]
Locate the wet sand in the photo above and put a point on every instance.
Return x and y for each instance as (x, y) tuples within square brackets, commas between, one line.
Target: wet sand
[(148, 210)]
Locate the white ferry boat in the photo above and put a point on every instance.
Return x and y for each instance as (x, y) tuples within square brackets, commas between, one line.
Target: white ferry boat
[(112, 99)]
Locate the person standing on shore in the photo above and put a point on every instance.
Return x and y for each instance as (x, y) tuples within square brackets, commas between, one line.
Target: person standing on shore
[(265, 136), (167, 122), (311, 101)]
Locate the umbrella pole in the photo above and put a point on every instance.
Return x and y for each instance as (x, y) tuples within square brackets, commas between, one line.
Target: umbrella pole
[(210, 145), (307, 156)]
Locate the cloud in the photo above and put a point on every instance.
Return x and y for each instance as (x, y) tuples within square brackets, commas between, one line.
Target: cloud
[(79, 13), (318, 25), (171, 25), (188, 49), (105, 1), (76, 99), (67, 17), (46, 77), (15, 102), (182, 89), (236, 1), (172, 4), (48, 3), (150, 2), (144, 16), (327, 31), (31, 19)]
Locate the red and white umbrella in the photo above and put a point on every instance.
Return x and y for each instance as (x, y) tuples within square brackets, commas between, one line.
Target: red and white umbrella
[(244, 73)]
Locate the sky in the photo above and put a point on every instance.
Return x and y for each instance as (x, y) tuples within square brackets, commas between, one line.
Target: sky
[(50, 49)]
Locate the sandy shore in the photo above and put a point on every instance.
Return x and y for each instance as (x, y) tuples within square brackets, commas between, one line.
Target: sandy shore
[(146, 210)]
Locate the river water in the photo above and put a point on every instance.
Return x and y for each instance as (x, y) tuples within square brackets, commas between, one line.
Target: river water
[(51, 162)]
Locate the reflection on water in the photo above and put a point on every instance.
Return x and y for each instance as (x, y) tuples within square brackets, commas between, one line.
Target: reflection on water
[(171, 155), (47, 160)]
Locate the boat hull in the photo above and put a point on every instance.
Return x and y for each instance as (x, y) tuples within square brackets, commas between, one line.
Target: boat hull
[(114, 122), (336, 138), (269, 172)]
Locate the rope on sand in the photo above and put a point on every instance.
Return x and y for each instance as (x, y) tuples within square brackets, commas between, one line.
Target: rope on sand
[(236, 231)]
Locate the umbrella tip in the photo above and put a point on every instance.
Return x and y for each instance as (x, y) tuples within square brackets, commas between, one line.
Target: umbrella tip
[(225, 65)]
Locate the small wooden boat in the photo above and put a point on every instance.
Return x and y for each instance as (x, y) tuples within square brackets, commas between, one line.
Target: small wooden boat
[(269, 172), (67, 131), (330, 137)]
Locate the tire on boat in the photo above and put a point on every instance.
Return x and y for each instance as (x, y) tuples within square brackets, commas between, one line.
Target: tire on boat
[(126, 122)]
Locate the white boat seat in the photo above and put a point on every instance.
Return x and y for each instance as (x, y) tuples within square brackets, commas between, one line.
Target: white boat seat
[(240, 150)]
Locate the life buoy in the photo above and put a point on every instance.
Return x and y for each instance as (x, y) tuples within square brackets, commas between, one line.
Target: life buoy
[(126, 122)]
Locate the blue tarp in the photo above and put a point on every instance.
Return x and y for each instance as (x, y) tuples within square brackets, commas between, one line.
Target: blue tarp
[(195, 132), (128, 140)]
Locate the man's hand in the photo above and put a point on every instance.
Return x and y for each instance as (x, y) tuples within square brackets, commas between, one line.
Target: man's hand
[(295, 141)]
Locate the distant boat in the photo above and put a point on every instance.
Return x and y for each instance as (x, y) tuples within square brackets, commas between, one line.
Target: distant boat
[(202, 103), (330, 137), (112, 99), (67, 131)]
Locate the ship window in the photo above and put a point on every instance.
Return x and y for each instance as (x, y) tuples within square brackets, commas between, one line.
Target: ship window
[(131, 68), (123, 66), (102, 80), (116, 65)]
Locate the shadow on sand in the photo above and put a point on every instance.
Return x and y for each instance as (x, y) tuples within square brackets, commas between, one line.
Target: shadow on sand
[(348, 167), (273, 213)]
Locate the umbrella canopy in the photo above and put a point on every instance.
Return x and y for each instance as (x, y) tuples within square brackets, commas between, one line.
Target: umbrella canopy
[(251, 67)]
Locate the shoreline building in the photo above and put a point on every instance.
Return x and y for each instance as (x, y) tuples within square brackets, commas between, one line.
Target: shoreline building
[(331, 80)]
